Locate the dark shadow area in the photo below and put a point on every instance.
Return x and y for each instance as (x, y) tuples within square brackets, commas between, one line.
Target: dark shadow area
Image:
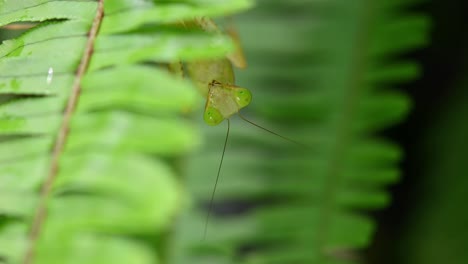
[(442, 63)]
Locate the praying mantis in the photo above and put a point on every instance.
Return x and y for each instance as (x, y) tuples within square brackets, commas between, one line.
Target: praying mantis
[(215, 79)]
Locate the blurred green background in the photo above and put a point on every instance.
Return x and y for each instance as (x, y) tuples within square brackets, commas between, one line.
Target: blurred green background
[(425, 221)]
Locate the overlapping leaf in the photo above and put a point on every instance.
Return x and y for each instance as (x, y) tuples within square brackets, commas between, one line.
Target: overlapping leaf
[(114, 194)]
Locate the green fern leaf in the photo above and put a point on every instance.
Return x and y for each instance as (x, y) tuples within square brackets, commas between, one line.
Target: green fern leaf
[(88, 120), (322, 74)]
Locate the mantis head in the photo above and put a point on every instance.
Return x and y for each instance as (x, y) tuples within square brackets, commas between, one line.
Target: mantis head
[(223, 101)]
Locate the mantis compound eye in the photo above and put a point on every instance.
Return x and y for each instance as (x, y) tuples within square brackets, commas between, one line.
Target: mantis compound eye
[(212, 116), (243, 97)]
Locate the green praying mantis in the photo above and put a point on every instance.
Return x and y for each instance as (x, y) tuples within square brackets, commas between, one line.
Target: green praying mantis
[(215, 79)]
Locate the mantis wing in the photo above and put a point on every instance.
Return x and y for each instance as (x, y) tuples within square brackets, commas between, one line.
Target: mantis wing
[(203, 73)]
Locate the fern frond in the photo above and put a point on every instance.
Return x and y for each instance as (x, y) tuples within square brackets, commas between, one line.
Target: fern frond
[(323, 75), (88, 122)]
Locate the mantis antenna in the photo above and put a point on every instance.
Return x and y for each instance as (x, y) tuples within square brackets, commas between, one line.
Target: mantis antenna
[(216, 182), (269, 131)]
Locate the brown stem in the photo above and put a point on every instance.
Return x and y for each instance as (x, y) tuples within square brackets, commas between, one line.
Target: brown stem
[(61, 139)]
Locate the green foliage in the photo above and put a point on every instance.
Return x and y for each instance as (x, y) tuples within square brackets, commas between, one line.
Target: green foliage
[(322, 73), (115, 193)]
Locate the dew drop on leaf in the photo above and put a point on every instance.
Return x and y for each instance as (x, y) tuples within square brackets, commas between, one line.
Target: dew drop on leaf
[(50, 75)]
